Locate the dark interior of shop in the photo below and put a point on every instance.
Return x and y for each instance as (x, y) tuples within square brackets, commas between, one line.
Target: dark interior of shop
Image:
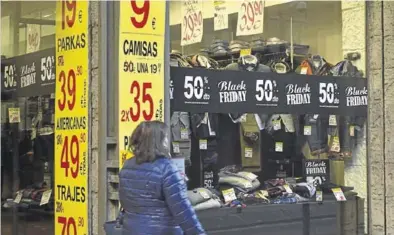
[(27, 147)]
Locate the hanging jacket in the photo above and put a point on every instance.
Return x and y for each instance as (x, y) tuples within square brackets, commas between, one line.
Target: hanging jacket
[(155, 200), (348, 140), (205, 125), (307, 68), (316, 142)]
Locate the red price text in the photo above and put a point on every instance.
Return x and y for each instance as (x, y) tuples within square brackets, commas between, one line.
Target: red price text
[(70, 15), (141, 95), (69, 224), (192, 26), (141, 16), (251, 15)]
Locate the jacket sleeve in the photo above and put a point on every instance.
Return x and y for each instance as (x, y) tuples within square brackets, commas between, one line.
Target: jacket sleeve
[(174, 188)]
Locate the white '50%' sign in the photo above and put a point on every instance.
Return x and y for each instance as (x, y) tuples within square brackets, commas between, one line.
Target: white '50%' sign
[(9, 76), (194, 87), (47, 65), (264, 90)]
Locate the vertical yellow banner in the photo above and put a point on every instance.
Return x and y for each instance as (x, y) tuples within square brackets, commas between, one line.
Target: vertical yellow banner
[(71, 117), (141, 67)]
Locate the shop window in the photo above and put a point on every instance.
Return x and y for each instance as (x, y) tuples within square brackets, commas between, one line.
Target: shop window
[(305, 50), (27, 126)]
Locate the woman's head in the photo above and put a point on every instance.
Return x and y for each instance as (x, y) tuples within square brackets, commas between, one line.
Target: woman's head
[(150, 140)]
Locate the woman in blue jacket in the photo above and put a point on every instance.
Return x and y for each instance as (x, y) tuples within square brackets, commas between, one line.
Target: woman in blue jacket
[(152, 191)]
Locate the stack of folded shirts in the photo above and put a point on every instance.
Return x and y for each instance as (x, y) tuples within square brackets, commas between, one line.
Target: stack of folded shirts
[(237, 45), (219, 47), (275, 41), (241, 181), (203, 199), (257, 43)]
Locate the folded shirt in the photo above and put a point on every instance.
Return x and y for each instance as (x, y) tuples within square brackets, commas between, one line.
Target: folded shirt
[(237, 181), (232, 168), (210, 204), (243, 174), (286, 199), (306, 190), (199, 195)]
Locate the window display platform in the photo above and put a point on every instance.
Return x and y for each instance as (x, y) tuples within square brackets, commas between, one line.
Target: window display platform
[(318, 218)]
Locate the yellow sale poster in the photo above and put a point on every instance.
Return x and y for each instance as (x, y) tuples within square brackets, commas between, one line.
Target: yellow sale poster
[(141, 67), (71, 118)]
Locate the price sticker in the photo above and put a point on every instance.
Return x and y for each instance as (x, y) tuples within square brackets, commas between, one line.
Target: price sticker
[(335, 144), (244, 52), (248, 152), (175, 147), (192, 22), (250, 17), (204, 194), (277, 125), (45, 197), (14, 115), (332, 120), (203, 144), (351, 131), (184, 134), (319, 196), (307, 130), (287, 188), (278, 146), (18, 197), (229, 195), (339, 194)]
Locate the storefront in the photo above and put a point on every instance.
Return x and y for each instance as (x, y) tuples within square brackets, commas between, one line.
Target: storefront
[(44, 70), (275, 80), (266, 96), (27, 126)]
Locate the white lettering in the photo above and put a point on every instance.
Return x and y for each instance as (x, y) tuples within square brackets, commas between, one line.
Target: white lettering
[(28, 80), (229, 86), (296, 89), (316, 170), (356, 100), (232, 96), (296, 99)]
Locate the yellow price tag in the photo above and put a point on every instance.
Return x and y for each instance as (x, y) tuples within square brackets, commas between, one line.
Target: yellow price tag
[(72, 95), (335, 145), (229, 195), (287, 188), (279, 147), (351, 131), (244, 52), (307, 130)]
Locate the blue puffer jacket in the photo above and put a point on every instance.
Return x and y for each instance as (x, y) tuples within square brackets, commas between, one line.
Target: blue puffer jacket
[(155, 201)]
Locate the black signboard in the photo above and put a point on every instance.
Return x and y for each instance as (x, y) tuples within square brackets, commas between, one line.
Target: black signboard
[(32, 74), (223, 91), (317, 170)]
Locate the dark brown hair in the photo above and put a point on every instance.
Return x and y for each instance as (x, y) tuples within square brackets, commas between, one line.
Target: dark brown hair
[(149, 141)]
